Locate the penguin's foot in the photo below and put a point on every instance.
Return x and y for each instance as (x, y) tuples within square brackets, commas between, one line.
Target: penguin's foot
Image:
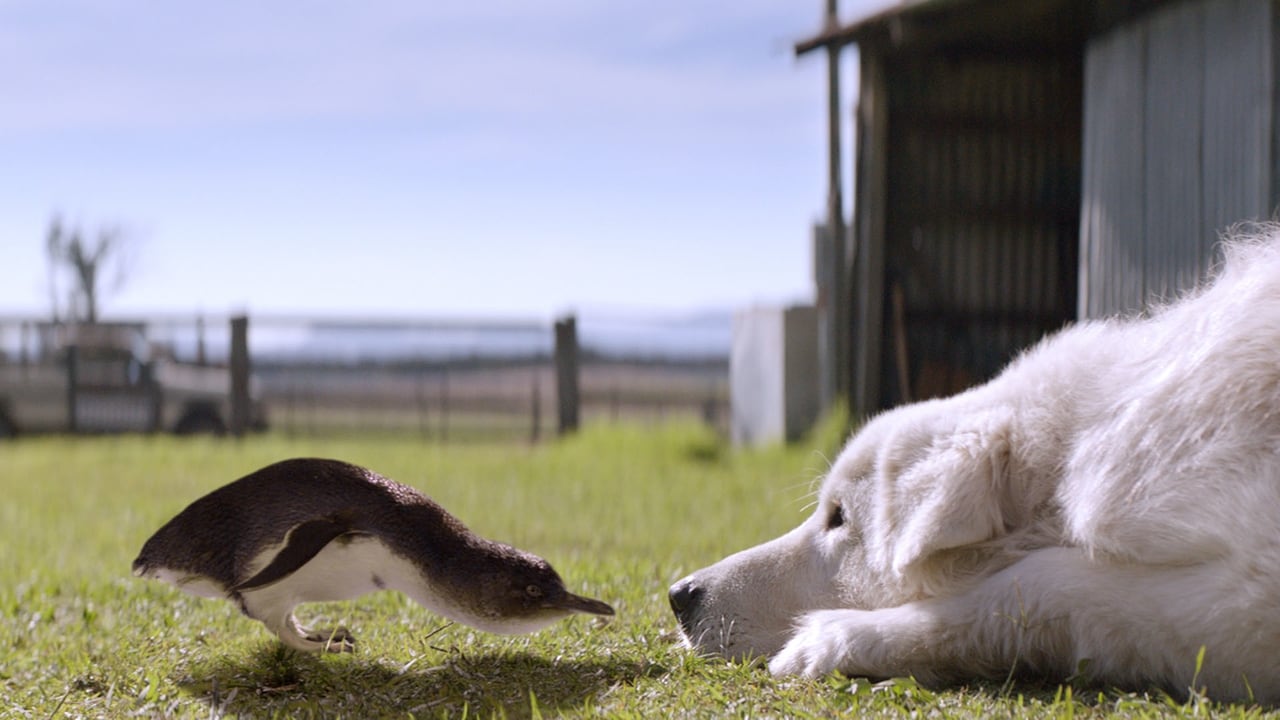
[(337, 640), (298, 637)]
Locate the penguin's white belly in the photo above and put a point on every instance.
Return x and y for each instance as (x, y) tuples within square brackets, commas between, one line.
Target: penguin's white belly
[(351, 567), (343, 570)]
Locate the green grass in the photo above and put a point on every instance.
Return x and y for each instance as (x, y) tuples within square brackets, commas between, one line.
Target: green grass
[(621, 512)]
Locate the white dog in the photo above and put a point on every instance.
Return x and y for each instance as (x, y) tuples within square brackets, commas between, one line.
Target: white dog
[(1109, 504)]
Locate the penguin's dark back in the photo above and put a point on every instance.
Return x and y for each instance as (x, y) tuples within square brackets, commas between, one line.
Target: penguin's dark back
[(219, 533)]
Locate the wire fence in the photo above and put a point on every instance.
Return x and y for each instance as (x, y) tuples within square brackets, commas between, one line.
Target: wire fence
[(462, 401), (443, 381)]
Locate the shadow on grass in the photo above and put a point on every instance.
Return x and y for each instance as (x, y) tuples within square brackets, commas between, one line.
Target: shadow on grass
[(277, 680)]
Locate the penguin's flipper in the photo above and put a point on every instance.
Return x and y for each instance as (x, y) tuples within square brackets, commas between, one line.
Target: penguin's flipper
[(303, 542)]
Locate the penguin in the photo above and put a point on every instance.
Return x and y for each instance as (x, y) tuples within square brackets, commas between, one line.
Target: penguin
[(312, 530)]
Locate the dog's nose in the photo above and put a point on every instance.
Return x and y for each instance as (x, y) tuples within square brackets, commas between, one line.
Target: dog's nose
[(684, 595)]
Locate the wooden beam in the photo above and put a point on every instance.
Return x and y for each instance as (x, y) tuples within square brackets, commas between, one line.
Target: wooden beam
[(832, 38), (840, 309)]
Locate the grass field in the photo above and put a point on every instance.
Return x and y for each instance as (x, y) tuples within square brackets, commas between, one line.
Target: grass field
[(621, 512)]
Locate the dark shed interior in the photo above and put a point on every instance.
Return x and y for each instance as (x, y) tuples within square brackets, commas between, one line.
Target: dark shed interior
[(967, 197)]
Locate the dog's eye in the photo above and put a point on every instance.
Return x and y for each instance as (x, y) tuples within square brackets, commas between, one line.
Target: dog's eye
[(835, 518)]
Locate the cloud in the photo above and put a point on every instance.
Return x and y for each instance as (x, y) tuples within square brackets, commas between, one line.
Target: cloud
[(470, 139), (140, 65)]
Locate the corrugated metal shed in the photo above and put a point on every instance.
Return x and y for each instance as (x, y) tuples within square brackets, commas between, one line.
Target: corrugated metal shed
[(1023, 162), (1179, 125), (967, 194)]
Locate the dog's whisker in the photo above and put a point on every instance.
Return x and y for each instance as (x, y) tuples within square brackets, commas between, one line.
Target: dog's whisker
[(827, 463), (726, 633), (805, 485)]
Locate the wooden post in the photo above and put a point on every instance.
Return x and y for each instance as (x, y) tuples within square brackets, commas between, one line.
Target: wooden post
[(536, 432), (73, 386), (155, 393), (420, 389), (840, 303), (239, 376), (201, 357), (444, 405), (293, 425), (566, 355), (24, 354)]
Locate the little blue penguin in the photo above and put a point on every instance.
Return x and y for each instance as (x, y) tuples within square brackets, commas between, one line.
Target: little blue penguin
[(310, 530)]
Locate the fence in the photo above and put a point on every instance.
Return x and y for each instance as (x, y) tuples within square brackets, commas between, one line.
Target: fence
[(443, 380), (459, 401)]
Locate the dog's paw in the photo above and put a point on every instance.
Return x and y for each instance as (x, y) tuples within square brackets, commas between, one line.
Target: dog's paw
[(890, 642), (819, 646)]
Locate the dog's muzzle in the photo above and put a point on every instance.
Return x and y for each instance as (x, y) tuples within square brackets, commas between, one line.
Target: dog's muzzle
[(685, 597)]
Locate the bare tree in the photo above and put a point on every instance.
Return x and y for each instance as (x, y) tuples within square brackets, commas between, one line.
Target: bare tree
[(86, 262)]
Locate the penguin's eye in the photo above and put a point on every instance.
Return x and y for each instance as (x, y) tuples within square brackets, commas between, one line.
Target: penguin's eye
[(533, 591)]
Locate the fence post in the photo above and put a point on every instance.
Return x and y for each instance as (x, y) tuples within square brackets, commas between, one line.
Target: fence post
[(239, 375), (202, 358), (444, 406), (155, 396), (73, 386), (536, 433), (567, 373), (24, 355), (424, 421)]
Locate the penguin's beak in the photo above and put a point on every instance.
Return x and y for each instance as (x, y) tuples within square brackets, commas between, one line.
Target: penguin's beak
[(577, 603)]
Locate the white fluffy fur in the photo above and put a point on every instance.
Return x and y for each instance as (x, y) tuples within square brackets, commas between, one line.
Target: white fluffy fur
[(1113, 496)]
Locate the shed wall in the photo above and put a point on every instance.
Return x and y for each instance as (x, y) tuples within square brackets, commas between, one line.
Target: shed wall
[(1178, 145)]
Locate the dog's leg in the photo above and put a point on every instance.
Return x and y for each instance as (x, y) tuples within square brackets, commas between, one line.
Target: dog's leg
[(1048, 613)]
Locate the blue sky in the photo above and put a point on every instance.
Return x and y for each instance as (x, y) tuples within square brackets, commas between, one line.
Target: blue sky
[(416, 158)]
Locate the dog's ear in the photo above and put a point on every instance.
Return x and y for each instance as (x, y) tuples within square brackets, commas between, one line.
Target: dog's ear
[(955, 494)]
